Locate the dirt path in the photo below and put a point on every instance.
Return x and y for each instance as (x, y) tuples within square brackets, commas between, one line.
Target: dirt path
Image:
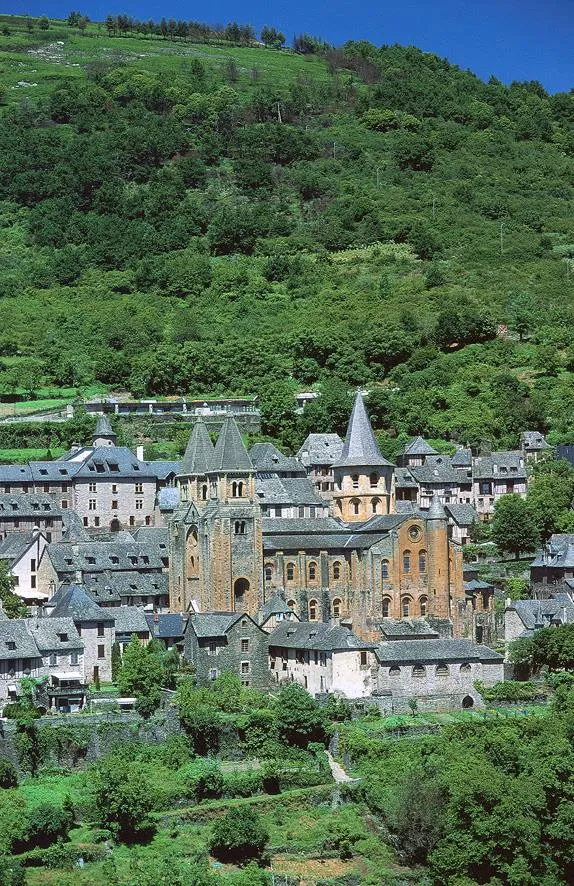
[(337, 771)]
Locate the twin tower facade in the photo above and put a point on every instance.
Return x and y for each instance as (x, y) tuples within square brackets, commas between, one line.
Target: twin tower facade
[(364, 563)]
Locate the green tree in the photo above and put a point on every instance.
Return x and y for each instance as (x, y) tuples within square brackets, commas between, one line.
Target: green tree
[(141, 674), (299, 717), (513, 528), (116, 660), (122, 798), (550, 494), (238, 838), (12, 605), (8, 775)]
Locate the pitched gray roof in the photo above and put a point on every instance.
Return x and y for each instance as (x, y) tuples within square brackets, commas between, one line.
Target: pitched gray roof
[(168, 498), (103, 427), (533, 440), (287, 491), (129, 620), (74, 601), (320, 449), (15, 473), (168, 624), (536, 614), (274, 606), (104, 556), (361, 448), (419, 446), (212, 624), (49, 634), (404, 479), (28, 504), (163, 469), (109, 587), (437, 469), (198, 456), (114, 461), (53, 471), (432, 651), (13, 632), (475, 584), (507, 465), (16, 544), (436, 510), (462, 514), (406, 629), (266, 458), (316, 635), (462, 458), (230, 454)]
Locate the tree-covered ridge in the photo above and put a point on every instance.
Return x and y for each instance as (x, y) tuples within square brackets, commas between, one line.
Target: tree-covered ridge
[(173, 225)]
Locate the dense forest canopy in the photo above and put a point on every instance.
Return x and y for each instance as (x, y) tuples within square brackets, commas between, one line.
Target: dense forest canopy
[(179, 221)]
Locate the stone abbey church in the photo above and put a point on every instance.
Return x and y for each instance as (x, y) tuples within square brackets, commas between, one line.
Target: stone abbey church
[(354, 563)]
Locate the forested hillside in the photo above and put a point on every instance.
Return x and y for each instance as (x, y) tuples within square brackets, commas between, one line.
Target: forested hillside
[(182, 217)]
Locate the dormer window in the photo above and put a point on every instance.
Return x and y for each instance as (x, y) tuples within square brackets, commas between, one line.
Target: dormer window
[(63, 638), (115, 559), (43, 471), (63, 471), (113, 467), (10, 644), (90, 560)]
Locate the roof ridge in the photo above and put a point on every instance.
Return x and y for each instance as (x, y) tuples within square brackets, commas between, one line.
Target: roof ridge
[(360, 446)]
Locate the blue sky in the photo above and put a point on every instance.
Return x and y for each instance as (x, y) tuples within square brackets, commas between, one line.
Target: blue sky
[(512, 39)]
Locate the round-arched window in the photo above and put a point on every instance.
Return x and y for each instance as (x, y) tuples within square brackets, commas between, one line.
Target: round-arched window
[(290, 572), (336, 608), (386, 607), (336, 570), (313, 610)]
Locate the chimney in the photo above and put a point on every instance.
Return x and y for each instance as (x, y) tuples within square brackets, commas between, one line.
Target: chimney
[(35, 531), (139, 453), (155, 617), (75, 447), (79, 576)]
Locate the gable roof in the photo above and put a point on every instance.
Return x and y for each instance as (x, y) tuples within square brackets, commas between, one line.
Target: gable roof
[(15, 545), (113, 461), (198, 455), (320, 449), (266, 458), (230, 454), (104, 428), (28, 504), (13, 632), (274, 606), (434, 651), (406, 629), (462, 458), (500, 464), (213, 624), (536, 614), (48, 634), (287, 491), (419, 446), (129, 620), (316, 635), (462, 514), (360, 448), (74, 601), (168, 624)]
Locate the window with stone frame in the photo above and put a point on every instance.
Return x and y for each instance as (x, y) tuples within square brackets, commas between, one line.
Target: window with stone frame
[(313, 607), (355, 481), (245, 644), (336, 570), (422, 561), (336, 608), (245, 667), (423, 605), (406, 561), (405, 607), (442, 670), (384, 569), (394, 671), (312, 571), (419, 670), (290, 572), (386, 607)]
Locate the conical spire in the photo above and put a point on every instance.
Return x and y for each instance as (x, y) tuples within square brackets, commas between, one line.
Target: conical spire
[(104, 430), (436, 510), (198, 454), (230, 453), (360, 447)]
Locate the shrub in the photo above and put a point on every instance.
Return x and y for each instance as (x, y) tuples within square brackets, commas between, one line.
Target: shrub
[(238, 837), (202, 780), (8, 775)]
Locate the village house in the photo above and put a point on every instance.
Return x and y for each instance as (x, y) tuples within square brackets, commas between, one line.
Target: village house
[(318, 454), (21, 553), (227, 642), (523, 618), (94, 624), (495, 475), (24, 512)]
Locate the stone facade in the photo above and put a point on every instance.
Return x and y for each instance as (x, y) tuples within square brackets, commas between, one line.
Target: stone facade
[(227, 643)]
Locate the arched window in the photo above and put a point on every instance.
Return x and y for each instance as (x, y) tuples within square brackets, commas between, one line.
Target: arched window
[(422, 561), (292, 605), (423, 603), (236, 489), (406, 561), (313, 610), (239, 527), (184, 492), (419, 670), (374, 480), (384, 569), (356, 505), (290, 572), (394, 671), (312, 570), (355, 481), (465, 668), (336, 570), (405, 607), (386, 607), (268, 573), (375, 505), (336, 608), (240, 489), (441, 670), (204, 492)]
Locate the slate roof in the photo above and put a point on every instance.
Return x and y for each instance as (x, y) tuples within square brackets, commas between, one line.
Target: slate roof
[(16, 544), (419, 446), (48, 632), (274, 606), (437, 469), (316, 635), (406, 628), (168, 498), (168, 625), (360, 448), (462, 458), (103, 427), (113, 462), (303, 525), (436, 510), (462, 514), (28, 504), (320, 449), (13, 631), (287, 491), (103, 556), (385, 522), (163, 469), (53, 471), (342, 541), (533, 440), (212, 624), (230, 454), (404, 479), (431, 651), (475, 584), (557, 554), (15, 473), (129, 620), (536, 614), (75, 602), (110, 587), (198, 456), (500, 464), (152, 535), (266, 458)]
